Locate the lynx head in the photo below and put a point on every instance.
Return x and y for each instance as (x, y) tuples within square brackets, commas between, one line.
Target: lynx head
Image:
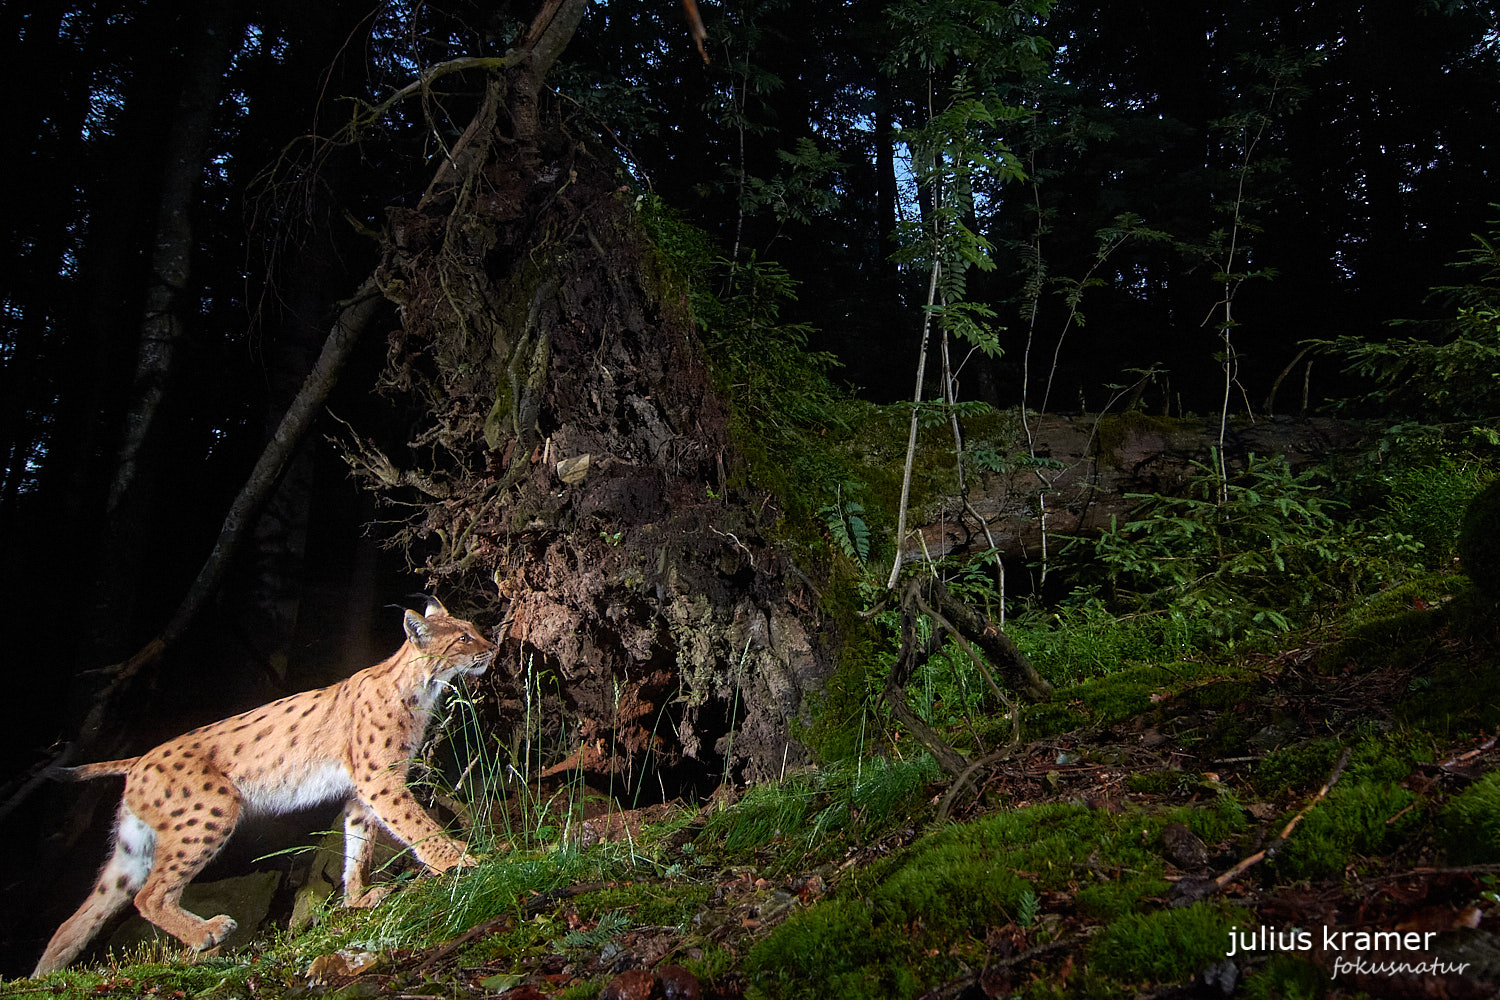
[(449, 646)]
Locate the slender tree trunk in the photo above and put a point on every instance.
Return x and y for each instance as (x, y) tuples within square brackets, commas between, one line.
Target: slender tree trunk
[(132, 494)]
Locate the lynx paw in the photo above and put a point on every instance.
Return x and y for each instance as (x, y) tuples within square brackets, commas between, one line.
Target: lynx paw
[(370, 897), (216, 930)]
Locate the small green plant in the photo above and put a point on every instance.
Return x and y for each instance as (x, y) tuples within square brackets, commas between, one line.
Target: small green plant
[(846, 525), (1251, 555)]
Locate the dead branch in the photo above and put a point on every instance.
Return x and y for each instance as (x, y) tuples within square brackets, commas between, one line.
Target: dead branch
[(996, 645), (969, 628), (356, 316)]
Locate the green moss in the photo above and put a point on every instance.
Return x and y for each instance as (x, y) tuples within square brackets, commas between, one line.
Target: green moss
[(1214, 823), (1285, 977), (1166, 945), (833, 949), (207, 977), (1101, 701), (1375, 755), (1470, 823), (1109, 900), (1357, 818)]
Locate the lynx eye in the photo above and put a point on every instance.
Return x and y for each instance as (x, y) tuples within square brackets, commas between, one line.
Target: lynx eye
[(466, 638)]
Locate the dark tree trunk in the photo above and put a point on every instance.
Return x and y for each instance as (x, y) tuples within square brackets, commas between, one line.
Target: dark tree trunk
[(132, 494)]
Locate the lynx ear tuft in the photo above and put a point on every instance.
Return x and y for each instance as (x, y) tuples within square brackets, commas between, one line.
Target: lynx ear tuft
[(433, 605), (417, 629)]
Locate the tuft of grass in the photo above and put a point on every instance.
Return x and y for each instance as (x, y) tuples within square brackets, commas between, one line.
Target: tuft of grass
[(818, 810)]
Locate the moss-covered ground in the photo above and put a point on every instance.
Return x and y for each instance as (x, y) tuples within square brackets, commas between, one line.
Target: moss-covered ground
[(1158, 810)]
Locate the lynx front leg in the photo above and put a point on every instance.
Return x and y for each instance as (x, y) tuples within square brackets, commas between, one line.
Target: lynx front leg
[(359, 849), (385, 795)]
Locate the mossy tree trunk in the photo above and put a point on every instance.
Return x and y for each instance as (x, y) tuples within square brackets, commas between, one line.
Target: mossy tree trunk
[(569, 458)]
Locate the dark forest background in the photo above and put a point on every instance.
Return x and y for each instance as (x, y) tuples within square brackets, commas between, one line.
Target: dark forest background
[(196, 187)]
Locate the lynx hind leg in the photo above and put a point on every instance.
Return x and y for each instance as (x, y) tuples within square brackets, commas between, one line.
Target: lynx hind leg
[(186, 840), (359, 849), (123, 874)]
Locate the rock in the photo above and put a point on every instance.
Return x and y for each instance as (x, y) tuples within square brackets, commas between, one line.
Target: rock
[(678, 983), (1183, 847), (573, 470), (633, 984)]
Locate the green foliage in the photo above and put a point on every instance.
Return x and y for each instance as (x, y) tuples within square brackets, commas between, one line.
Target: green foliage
[(1248, 556), (800, 194), (1425, 500), (1451, 376), (1166, 945), (1470, 823), (1073, 642), (846, 525), (1479, 542)]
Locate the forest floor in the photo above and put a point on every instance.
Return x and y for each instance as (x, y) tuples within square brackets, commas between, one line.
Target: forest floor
[(1316, 820)]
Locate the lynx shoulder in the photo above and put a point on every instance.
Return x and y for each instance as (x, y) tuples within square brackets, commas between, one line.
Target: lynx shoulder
[(351, 742)]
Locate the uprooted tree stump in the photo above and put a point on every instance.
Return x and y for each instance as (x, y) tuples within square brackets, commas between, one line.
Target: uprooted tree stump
[(572, 458)]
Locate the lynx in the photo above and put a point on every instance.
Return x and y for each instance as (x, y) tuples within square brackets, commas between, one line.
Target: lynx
[(351, 741)]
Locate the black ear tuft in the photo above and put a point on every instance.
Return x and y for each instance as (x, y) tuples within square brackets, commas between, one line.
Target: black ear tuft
[(431, 605)]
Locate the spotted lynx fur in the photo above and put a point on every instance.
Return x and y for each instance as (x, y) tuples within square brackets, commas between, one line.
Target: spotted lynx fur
[(351, 741)]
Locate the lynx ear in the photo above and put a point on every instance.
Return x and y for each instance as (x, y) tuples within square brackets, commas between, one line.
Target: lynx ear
[(417, 629), (435, 608)]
